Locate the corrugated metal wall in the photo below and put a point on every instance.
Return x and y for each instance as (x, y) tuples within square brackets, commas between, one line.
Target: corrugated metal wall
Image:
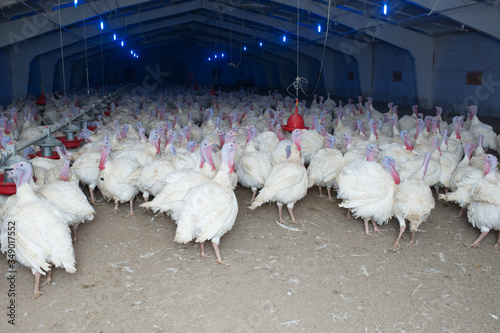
[(5, 78)]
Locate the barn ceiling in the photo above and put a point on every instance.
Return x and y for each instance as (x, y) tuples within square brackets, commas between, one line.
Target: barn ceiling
[(234, 23)]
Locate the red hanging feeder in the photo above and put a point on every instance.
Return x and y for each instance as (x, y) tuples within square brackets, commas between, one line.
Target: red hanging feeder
[(295, 121), (41, 101), (69, 143)]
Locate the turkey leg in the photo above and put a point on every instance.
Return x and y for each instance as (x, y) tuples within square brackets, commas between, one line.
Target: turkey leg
[(291, 214), (37, 291), (73, 231), (395, 247), (329, 190), (376, 228), (217, 254), (131, 213), (253, 196), (48, 280), (202, 253), (476, 243)]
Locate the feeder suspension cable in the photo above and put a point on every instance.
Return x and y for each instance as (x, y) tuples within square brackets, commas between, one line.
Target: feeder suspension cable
[(86, 55), (62, 50), (297, 84)]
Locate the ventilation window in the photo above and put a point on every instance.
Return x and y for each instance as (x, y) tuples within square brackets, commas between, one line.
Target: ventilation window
[(397, 76), (350, 76), (474, 78)]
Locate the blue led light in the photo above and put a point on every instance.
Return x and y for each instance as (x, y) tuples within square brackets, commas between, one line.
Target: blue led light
[(123, 43), (284, 38), (222, 55), (209, 58), (215, 56), (102, 25), (244, 48), (319, 28), (385, 8), (114, 36), (260, 44), (131, 52), (75, 2)]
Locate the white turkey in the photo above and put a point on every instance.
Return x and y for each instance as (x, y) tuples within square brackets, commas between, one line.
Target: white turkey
[(210, 208), (39, 242), (254, 166), (484, 210), (287, 181), (67, 196), (64, 173), (367, 190), (413, 202), (477, 127), (113, 181), (325, 167), (177, 184)]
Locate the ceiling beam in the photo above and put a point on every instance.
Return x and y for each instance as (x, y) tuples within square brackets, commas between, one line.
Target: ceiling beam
[(477, 15), (32, 26)]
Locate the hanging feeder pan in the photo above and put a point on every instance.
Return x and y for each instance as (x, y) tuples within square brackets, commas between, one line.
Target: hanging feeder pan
[(295, 121), (69, 143), (107, 113), (6, 188), (92, 128), (7, 185)]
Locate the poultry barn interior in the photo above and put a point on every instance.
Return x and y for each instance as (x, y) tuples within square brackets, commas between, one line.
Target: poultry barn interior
[(249, 166)]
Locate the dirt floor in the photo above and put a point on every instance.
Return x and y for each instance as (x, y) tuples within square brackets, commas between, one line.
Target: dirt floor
[(326, 276)]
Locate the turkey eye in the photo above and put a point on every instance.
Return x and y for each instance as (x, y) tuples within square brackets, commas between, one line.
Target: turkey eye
[(102, 179)]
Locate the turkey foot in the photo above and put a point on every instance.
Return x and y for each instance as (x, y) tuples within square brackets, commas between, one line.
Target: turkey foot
[(461, 212), (115, 209), (92, 198), (37, 291), (395, 247), (476, 242), (376, 229), (202, 253), (217, 254), (498, 242)]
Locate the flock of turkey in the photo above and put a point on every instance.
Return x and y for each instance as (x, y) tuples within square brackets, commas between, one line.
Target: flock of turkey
[(189, 150)]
